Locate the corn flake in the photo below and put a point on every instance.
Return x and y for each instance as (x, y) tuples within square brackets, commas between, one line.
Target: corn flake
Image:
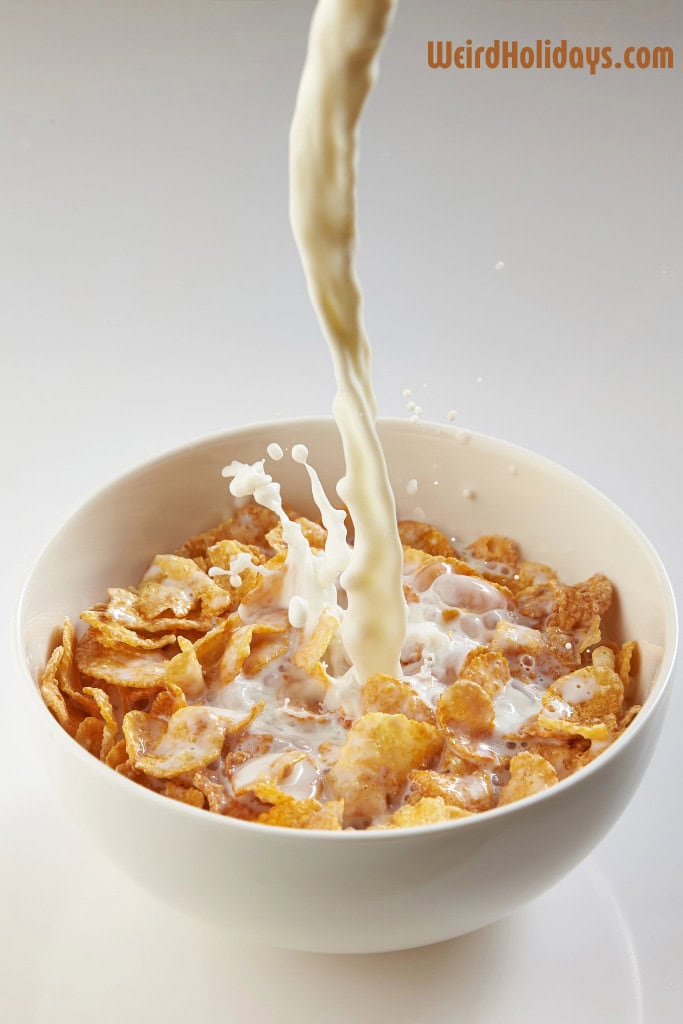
[(185, 671), (577, 606), (117, 755), (471, 790), (89, 734), (487, 668), (249, 525), (191, 739), (239, 646), (185, 794), (428, 810), (315, 534), (122, 666), (496, 548), (424, 537), (329, 818), (111, 726), (393, 696), (374, 763), (51, 694), (592, 692), (465, 705), (177, 585), (529, 774), (123, 607), (290, 813), (311, 651), (115, 634)]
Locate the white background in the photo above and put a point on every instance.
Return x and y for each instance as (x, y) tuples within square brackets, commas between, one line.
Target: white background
[(150, 294)]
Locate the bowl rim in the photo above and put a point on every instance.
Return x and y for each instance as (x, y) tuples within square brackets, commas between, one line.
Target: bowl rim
[(385, 425)]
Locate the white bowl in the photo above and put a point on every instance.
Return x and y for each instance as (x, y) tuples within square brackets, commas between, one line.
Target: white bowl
[(372, 891)]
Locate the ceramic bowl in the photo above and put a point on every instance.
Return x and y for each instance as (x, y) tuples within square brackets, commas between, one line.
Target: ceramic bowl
[(372, 891)]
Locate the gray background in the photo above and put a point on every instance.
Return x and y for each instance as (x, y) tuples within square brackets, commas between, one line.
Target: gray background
[(150, 293)]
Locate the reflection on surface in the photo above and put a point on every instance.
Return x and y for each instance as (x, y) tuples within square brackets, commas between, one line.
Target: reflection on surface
[(86, 937)]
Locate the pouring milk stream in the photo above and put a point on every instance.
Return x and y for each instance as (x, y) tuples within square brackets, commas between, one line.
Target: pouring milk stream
[(338, 74), (376, 625)]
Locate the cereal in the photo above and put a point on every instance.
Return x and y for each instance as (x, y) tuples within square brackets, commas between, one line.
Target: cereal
[(196, 684), (191, 738), (529, 774), (471, 791), (424, 537), (591, 693), (392, 696), (110, 725), (375, 761), (185, 794), (89, 734), (123, 666), (290, 813), (52, 695), (329, 818), (111, 633), (427, 811), (465, 706), (178, 585), (487, 668), (185, 671), (315, 534), (249, 526), (312, 650)]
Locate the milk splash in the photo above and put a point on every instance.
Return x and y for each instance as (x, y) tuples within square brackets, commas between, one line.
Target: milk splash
[(310, 583)]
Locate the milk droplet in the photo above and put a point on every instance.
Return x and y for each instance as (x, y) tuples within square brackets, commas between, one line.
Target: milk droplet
[(275, 451), (479, 380), (419, 514), (216, 570), (500, 265), (407, 392), (452, 416), (468, 493), (411, 487), (298, 611), (410, 406), (235, 580), (300, 453), (418, 410)]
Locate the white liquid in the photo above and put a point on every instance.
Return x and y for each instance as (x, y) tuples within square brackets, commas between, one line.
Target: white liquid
[(311, 579), (338, 74), (379, 633)]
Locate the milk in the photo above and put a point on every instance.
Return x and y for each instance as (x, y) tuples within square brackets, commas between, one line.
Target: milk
[(338, 74)]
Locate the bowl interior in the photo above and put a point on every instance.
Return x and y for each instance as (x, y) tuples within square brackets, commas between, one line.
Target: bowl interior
[(467, 485)]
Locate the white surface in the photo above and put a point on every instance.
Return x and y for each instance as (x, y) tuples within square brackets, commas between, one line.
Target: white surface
[(148, 282)]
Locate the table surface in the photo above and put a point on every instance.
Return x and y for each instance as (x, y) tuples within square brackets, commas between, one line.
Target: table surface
[(520, 251)]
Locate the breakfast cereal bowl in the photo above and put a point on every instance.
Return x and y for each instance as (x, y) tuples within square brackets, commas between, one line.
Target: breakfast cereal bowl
[(353, 891)]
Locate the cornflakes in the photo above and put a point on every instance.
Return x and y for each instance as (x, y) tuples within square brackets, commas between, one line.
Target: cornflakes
[(373, 765), (529, 774), (195, 684)]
